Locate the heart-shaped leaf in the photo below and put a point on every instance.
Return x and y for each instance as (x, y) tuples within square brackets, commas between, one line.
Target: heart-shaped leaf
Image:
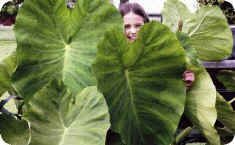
[(142, 83), (207, 28), (54, 41), (59, 118)]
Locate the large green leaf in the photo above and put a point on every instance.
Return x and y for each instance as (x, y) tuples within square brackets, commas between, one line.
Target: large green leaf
[(142, 83), (226, 114), (227, 77), (207, 28), (13, 131), (54, 41), (200, 106), (59, 118), (7, 58), (210, 34)]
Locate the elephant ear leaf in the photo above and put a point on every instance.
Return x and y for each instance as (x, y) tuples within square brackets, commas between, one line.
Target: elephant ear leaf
[(59, 118), (200, 101), (200, 106), (226, 114), (54, 41), (207, 28), (13, 131), (210, 34), (145, 78)]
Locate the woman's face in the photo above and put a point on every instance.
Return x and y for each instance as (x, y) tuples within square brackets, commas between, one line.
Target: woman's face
[(132, 24)]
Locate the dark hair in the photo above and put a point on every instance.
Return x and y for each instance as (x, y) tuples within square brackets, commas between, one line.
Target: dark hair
[(127, 7)]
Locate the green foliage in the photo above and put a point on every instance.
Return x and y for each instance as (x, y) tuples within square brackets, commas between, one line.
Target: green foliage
[(7, 59), (226, 114), (173, 12), (207, 28), (193, 63), (207, 32), (201, 97), (200, 106), (57, 117), (141, 81), (13, 131), (145, 80), (56, 42), (227, 77)]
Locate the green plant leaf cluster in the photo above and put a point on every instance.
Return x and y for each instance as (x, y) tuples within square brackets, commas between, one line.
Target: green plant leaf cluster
[(201, 97), (207, 28), (205, 35), (55, 48), (141, 82), (200, 107)]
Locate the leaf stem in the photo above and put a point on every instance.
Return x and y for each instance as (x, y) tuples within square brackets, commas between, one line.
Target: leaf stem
[(231, 101), (182, 134)]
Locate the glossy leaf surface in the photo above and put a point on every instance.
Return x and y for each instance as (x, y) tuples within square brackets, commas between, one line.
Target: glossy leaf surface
[(54, 41), (200, 106), (142, 83), (207, 28), (59, 118)]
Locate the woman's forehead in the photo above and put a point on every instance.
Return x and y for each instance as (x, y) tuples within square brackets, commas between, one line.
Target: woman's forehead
[(132, 18)]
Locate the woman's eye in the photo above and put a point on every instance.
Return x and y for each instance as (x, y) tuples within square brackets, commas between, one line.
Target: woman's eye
[(127, 26), (138, 25)]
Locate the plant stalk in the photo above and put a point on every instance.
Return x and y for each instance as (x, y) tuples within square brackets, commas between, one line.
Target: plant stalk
[(182, 134)]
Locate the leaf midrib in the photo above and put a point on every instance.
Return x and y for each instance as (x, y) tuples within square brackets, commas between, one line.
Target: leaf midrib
[(132, 102), (67, 50), (200, 24)]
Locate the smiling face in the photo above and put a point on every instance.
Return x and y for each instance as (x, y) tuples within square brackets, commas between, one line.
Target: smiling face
[(132, 24)]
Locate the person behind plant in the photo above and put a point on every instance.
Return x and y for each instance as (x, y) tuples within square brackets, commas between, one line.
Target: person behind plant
[(134, 16)]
